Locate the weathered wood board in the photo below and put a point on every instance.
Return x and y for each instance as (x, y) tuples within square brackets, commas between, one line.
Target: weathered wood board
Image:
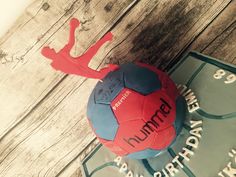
[(31, 78), (28, 82), (47, 130)]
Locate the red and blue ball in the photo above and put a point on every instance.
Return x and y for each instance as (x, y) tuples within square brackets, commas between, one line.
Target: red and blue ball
[(136, 111)]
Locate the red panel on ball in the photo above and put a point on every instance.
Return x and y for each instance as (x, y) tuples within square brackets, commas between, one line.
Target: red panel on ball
[(170, 87), (163, 138), (159, 110), (128, 106), (134, 136), (113, 147)]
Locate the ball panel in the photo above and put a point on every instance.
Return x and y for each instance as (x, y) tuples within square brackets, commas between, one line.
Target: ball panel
[(167, 84), (91, 104), (159, 110), (107, 90), (113, 147), (133, 136), (163, 138), (170, 87), (128, 106), (102, 120), (133, 111), (181, 109), (147, 153), (140, 79)]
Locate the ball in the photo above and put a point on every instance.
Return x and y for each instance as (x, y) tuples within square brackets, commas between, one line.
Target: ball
[(136, 111)]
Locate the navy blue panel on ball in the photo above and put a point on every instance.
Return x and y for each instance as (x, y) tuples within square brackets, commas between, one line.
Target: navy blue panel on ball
[(181, 109), (91, 104), (102, 119), (140, 79), (147, 153), (111, 86)]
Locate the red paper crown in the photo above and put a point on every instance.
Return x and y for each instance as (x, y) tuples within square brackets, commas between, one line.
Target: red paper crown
[(64, 62)]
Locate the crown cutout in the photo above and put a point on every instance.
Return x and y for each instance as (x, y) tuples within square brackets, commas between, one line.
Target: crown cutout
[(64, 62)]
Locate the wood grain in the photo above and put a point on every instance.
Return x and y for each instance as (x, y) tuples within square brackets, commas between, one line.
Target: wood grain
[(218, 39), (48, 130), (44, 157), (25, 81), (169, 30)]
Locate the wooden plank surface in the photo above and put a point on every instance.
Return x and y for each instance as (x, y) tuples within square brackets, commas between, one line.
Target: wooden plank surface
[(26, 79), (48, 131), (218, 39), (40, 80), (168, 31), (35, 80)]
